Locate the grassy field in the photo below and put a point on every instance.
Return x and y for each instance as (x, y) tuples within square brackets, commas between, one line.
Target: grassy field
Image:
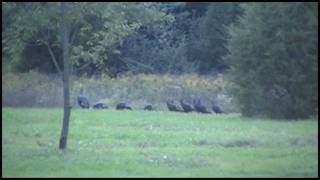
[(109, 143)]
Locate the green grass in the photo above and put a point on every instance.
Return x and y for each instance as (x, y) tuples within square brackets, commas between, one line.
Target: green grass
[(109, 143)]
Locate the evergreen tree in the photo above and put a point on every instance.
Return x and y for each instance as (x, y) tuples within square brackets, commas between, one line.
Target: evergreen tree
[(273, 59)]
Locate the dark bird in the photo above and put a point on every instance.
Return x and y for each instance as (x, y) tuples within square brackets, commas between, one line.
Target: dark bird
[(172, 106), (186, 107), (100, 105), (122, 106), (83, 100), (216, 108), (149, 107), (200, 107)]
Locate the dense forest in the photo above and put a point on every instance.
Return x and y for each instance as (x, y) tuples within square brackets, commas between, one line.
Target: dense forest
[(267, 51)]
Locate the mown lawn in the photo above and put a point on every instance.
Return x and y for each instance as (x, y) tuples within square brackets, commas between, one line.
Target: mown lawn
[(109, 143)]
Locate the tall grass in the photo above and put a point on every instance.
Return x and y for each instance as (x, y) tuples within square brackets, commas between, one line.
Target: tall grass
[(39, 90)]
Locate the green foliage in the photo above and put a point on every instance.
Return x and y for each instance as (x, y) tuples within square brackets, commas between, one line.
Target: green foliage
[(193, 43), (94, 28), (111, 143), (116, 37), (273, 59), (99, 38), (167, 55), (208, 35)]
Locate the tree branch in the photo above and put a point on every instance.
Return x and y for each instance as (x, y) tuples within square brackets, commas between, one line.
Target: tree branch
[(53, 58), (83, 66), (129, 60), (73, 35)]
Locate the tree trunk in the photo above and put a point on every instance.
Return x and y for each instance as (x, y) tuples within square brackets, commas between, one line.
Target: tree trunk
[(66, 91)]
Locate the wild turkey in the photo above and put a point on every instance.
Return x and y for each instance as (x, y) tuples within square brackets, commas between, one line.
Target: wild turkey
[(148, 107), (200, 108), (122, 106), (216, 108), (172, 106), (100, 105), (83, 100), (186, 107)]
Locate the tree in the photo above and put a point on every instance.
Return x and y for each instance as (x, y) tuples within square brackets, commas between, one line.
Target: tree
[(273, 59), (57, 23), (66, 90)]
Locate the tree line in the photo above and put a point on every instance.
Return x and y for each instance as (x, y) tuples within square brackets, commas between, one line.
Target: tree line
[(114, 38)]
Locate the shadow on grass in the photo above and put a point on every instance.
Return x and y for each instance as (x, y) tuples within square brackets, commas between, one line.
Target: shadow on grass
[(235, 143)]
